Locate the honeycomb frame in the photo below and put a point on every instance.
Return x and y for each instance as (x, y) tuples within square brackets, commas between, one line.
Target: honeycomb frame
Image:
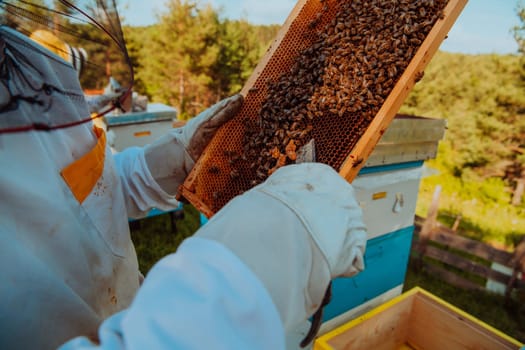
[(215, 179)]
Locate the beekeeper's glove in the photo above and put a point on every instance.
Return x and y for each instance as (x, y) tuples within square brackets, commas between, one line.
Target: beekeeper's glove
[(97, 103), (296, 231), (171, 157)]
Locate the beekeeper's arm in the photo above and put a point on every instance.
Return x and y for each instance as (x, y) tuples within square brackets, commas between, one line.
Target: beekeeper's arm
[(151, 175), (258, 268)]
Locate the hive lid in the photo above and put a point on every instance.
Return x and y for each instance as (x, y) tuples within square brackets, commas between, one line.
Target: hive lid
[(408, 139), (156, 112)]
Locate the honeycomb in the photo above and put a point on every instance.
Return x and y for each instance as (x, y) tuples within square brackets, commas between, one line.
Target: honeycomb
[(336, 68)]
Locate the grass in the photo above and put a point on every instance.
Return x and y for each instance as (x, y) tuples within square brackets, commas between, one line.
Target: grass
[(485, 219), (155, 237)]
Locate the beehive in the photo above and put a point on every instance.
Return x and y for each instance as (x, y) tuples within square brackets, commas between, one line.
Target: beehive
[(419, 320), (337, 72)]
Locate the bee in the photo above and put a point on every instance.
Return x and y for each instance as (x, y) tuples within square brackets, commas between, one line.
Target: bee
[(415, 41), (275, 153), (234, 174), (358, 161), (260, 174), (290, 150), (280, 133), (419, 76), (214, 169), (313, 23)]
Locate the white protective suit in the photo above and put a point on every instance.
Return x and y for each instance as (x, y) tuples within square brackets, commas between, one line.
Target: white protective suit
[(292, 233), (68, 260), (258, 268)]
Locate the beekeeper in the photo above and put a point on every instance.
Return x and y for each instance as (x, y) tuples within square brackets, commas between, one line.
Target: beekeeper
[(258, 268)]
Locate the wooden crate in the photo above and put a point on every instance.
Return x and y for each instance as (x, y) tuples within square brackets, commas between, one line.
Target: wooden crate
[(416, 320)]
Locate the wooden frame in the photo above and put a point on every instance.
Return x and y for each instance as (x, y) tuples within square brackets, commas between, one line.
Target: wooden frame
[(416, 320)]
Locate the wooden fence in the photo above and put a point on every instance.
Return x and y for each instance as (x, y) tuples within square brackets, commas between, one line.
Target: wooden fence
[(464, 262)]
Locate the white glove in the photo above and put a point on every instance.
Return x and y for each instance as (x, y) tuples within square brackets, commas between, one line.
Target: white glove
[(296, 231), (171, 157), (98, 102)]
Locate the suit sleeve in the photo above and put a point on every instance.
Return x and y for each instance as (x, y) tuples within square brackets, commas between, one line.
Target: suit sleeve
[(202, 297), (141, 191)]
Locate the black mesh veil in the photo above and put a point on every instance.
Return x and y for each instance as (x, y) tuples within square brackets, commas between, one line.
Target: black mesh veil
[(86, 33)]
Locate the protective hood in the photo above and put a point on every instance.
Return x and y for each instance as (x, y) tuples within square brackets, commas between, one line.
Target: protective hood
[(84, 34)]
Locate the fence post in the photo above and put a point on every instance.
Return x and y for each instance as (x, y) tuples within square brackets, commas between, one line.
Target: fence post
[(518, 192), (456, 223), (518, 263), (428, 225)]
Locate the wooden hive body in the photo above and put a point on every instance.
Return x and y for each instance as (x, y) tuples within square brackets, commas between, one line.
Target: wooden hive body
[(419, 320)]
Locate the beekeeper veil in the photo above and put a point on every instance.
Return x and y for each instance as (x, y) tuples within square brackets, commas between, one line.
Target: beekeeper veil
[(85, 33)]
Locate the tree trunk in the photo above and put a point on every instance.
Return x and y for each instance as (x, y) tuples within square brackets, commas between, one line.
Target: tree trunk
[(108, 65), (518, 192), (181, 91), (428, 226), (518, 261), (456, 223)]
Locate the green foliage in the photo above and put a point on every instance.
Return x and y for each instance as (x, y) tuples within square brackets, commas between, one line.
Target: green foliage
[(96, 44), (241, 49), (18, 16), (192, 58), (134, 38), (482, 99), (483, 205), (178, 57), (519, 31), (157, 237)]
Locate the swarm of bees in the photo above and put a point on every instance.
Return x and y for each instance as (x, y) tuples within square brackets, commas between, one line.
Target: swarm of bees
[(344, 77)]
